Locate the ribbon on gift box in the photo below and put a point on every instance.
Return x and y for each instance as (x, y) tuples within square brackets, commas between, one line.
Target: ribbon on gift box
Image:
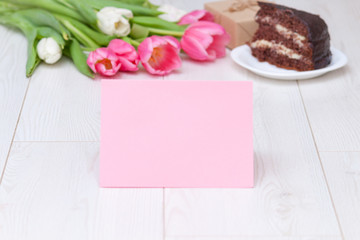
[(240, 5), (237, 17)]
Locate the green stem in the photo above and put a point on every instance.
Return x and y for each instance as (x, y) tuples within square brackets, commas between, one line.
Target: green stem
[(51, 6), (131, 41), (155, 31), (134, 43), (85, 10), (98, 37), (88, 49), (85, 40), (66, 3), (8, 7)]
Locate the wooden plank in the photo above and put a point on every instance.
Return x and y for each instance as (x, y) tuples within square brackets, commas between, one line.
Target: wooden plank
[(343, 175), (13, 85), (333, 100), (280, 206), (253, 238), (50, 191), (66, 103), (4, 149), (61, 105), (290, 198)]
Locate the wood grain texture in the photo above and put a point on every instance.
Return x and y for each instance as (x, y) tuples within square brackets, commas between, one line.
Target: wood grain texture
[(63, 105), (4, 150), (51, 190), (333, 100), (13, 84), (290, 199), (253, 238), (343, 175), (280, 206)]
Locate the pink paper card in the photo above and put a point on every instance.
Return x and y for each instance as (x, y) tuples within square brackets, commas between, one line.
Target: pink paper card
[(157, 133)]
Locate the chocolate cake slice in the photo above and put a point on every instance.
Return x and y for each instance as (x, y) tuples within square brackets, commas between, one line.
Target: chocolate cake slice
[(291, 39)]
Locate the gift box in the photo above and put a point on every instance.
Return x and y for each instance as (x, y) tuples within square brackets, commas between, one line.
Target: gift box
[(237, 17)]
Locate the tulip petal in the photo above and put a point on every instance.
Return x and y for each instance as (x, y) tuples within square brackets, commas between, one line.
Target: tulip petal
[(173, 41), (195, 16), (195, 44), (101, 68), (168, 60), (126, 53), (128, 66), (104, 61), (208, 27), (145, 49), (205, 41), (171, 13), (114, 21), (160, 55), (218, 45)]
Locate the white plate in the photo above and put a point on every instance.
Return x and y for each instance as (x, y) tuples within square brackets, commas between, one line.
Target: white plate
[(242, 56)]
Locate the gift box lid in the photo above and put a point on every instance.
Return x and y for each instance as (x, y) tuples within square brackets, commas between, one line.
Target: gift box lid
[(238, 11)]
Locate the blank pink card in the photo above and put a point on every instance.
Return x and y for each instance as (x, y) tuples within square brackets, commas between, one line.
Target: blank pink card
[(157, 133)]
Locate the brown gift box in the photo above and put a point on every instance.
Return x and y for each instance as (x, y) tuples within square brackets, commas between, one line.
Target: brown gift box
[(237, 17)]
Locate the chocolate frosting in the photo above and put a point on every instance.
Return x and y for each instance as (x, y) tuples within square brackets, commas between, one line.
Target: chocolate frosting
[(318, 34)]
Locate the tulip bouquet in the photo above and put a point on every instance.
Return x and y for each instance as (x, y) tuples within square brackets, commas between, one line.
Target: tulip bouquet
[(109, 36)]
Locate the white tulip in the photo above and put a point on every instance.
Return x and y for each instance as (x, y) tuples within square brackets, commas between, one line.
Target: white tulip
[(171, 13), (48, 50), (114, 21)]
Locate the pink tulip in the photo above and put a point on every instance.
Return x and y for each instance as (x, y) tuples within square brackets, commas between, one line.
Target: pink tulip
[(127, 55), (160, 55), (196, 16), (104, 61), (205, 41)]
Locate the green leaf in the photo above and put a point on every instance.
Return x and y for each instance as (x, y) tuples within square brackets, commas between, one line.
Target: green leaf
[(31, 34), (49, 5), (66, 3), (136, 10), (73, 50), (86, 11), (138, 31), (155, 22), (148, 4), (46, 32), (33, 60), (133, 2), (7, 7), (42, 18)]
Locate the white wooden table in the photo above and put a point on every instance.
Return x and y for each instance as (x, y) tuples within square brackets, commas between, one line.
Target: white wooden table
[(307, 154)]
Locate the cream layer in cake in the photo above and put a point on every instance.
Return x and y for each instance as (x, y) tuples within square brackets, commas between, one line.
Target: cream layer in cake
[(278, 48), (287, 33)]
